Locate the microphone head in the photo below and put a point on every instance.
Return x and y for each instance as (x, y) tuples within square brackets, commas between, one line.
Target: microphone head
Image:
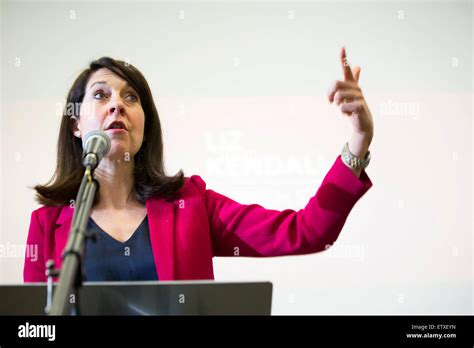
[(96, 145)]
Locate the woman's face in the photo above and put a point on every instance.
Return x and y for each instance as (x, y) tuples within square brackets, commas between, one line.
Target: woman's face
[(107, 99)]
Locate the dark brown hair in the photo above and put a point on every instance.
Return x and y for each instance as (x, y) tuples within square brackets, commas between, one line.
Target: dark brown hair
[(149, 173)]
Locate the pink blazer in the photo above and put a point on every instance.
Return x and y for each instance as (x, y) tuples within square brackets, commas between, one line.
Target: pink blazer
[(188, 232)]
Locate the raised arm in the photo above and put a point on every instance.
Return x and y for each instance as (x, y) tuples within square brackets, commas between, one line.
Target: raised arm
[(252, 230)]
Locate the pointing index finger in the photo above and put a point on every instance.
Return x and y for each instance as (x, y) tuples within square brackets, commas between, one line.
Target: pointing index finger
[(345, 66)]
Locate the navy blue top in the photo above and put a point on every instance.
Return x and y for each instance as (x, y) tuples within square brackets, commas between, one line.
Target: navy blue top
[(107, 259)]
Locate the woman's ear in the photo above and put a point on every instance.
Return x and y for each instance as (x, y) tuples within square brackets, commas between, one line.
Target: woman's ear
[(75, 126)]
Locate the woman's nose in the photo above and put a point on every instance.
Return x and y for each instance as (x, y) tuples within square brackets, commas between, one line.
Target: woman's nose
[(116, 107)]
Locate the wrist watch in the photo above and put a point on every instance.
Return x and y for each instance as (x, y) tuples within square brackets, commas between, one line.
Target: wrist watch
[(352, 161)]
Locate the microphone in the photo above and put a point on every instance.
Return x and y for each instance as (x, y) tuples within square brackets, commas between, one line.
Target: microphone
[(96, 145)]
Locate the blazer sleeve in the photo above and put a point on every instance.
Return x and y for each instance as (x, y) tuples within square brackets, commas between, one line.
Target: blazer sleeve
[(251, 230), (34, 268)]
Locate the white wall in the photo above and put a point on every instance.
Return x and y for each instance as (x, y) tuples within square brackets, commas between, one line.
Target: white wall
[(248, 81)]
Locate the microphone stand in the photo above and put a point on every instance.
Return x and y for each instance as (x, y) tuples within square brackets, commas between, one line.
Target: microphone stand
[(71, 277)]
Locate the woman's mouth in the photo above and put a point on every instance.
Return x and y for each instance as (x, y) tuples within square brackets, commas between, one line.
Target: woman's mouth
[(117, 126), (115, 130)]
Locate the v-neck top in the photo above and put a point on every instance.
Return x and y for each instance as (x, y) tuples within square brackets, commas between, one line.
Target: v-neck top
[(107, 259)]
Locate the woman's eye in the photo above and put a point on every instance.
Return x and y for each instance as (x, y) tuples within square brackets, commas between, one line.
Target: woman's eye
[(133, 97), (99, 95)]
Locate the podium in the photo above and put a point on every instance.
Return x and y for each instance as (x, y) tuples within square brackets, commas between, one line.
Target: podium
[(147, 298)]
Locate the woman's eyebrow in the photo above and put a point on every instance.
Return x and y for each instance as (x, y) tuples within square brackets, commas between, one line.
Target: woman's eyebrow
[(104, 83), (98, 82)]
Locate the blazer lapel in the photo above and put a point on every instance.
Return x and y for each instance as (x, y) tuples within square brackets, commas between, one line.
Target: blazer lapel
[(161, 224), (62, 232)]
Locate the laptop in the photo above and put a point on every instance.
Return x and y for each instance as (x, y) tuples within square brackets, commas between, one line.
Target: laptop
[(204, 297)]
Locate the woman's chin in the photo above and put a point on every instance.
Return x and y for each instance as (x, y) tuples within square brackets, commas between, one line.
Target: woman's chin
[(118, 152)]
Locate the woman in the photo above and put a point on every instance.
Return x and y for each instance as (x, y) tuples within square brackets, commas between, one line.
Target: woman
[(151, 226)]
